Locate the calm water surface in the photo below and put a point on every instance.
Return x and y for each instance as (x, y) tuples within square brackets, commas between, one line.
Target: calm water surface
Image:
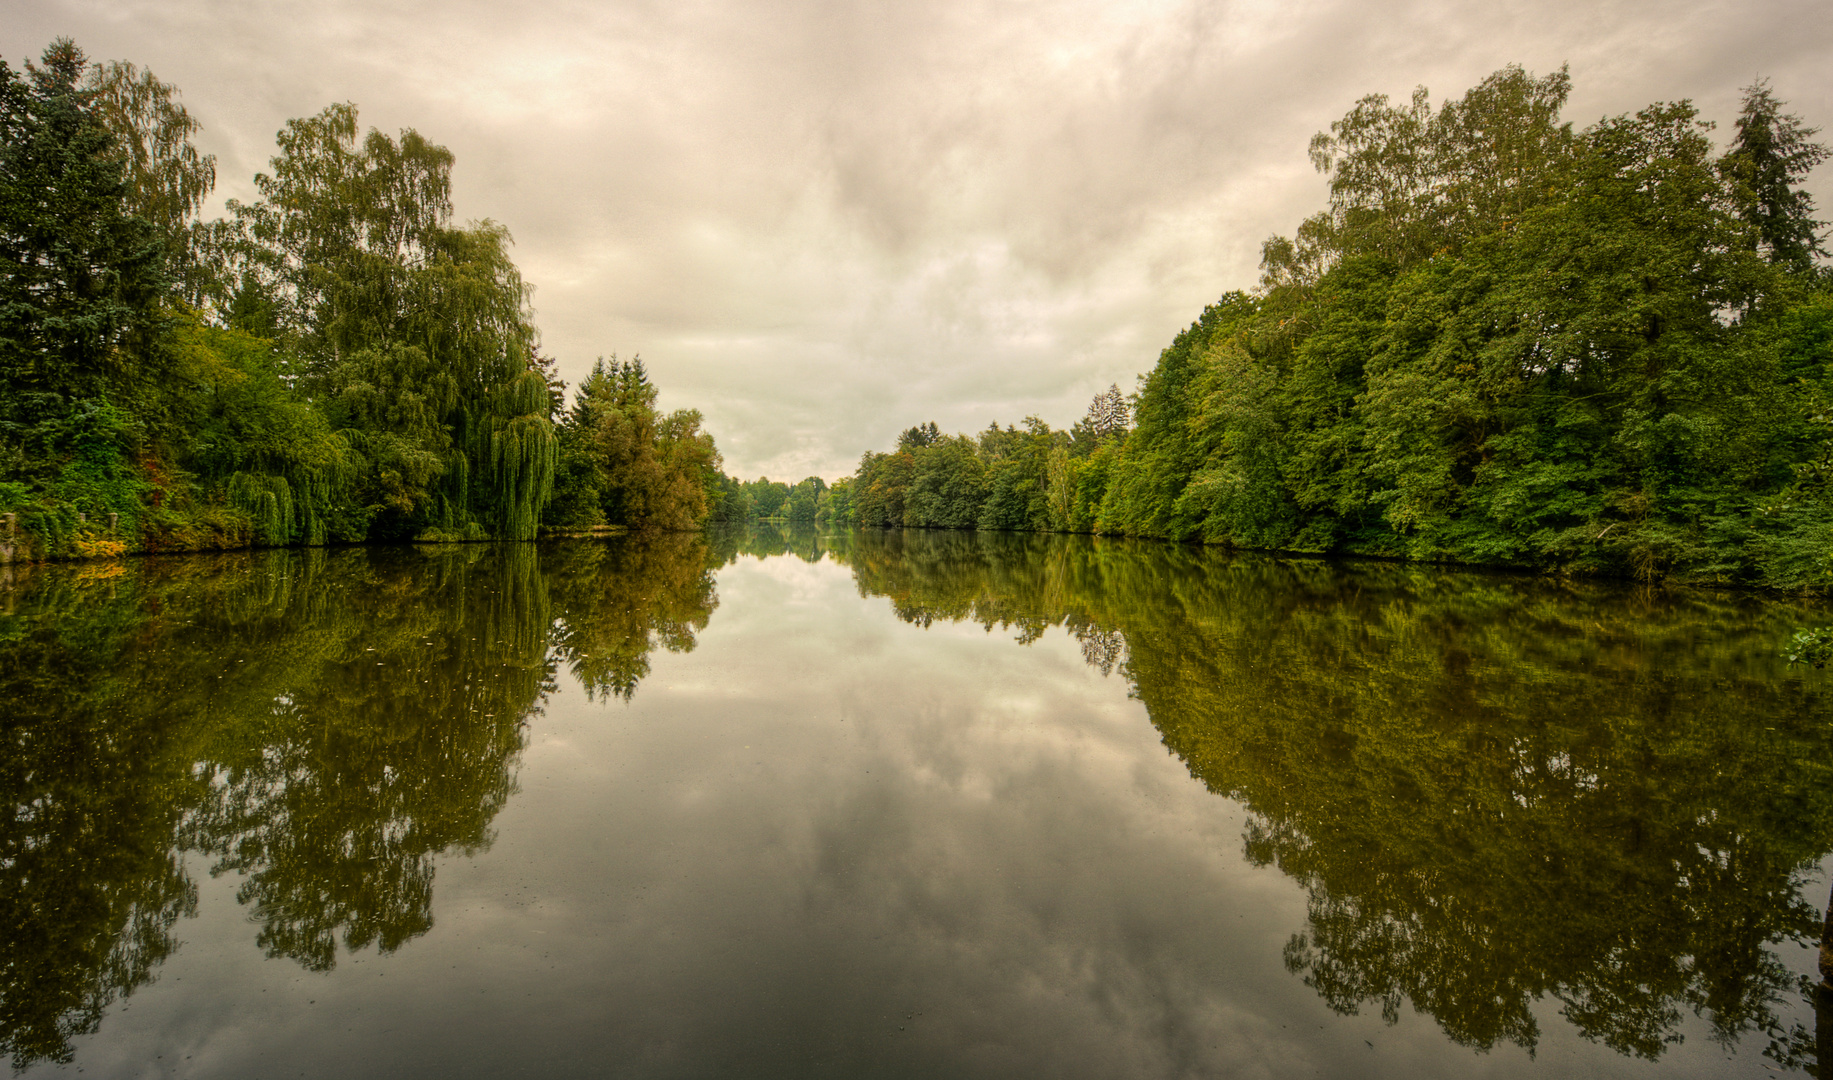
[(900, 804)]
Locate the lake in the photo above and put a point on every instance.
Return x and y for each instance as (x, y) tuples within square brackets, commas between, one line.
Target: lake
[(890, 804)]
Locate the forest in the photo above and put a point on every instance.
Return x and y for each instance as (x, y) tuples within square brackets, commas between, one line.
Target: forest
[(1504, 342), (334, 361)]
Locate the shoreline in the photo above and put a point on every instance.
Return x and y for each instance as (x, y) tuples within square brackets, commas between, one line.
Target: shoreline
[(16, 551), (105, 550)]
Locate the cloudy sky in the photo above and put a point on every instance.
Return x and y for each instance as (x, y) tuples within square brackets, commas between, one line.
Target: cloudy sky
[(821, 221)]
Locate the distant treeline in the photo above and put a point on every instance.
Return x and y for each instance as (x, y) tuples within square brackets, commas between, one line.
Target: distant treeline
[(334, 361), (1504, 342), (765, 499)]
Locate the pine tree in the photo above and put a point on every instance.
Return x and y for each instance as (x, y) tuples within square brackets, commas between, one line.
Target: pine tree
[(1767, 162), (79, 277)]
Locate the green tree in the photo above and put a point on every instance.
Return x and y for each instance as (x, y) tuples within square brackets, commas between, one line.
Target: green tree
[(271, 454), (1767, 163), (646, 469), (835, 506), (414, 333), (1406, 182), (804, 499), (1504, 342), (83, 278), (167, 179), (948, 486), (1153, 465)]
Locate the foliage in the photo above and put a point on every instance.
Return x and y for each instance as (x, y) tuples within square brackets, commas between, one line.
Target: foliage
[(83, 278), (1811, 647), (167, 179), (1505, 342), (1767, 163), (336, 360), (808, 501), (627, 463), (1407, 183), (1000, 479)]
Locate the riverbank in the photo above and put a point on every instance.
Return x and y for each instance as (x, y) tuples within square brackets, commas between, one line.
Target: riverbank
[(22, 546), (16, 550)]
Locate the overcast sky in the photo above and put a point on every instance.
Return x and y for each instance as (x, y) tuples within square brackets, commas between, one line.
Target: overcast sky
[(822, 222)]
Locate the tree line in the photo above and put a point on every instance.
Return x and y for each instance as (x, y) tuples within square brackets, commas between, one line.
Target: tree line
[(765, 499), (336, 360), (1504, 341)]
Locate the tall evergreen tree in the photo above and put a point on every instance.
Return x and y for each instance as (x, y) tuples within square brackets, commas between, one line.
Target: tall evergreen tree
[(1767, 162), (630, 464), (82, 277)]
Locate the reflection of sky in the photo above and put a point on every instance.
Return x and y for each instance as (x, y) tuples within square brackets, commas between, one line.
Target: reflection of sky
[(826, 843)]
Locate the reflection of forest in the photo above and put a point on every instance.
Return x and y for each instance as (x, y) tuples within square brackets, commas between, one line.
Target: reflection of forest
[(767, 539), (325, 723), (1495, 790)]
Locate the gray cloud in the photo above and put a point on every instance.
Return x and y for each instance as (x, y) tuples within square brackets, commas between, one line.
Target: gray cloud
[(820, 222)]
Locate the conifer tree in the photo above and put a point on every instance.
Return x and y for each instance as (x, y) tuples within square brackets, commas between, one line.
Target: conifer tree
[(1767, 163), (81, 277)]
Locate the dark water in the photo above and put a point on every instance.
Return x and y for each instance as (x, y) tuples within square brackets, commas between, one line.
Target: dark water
[(901, 804)]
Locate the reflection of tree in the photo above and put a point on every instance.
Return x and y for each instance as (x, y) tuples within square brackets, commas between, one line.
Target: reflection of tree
[(766, 539), (1103, 650), (325, 723), (618, 601), (1497, 792), (996, 579), (1494, 790), (89, 884), (336, 792)]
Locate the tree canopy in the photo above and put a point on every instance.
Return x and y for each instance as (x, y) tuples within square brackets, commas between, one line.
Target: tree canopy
[(1505, 341), (336, 360)]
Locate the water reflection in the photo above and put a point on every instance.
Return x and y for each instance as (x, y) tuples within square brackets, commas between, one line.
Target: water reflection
[(366, 736), (620, 601), (1495, 791), (322, 723), (90, 886)]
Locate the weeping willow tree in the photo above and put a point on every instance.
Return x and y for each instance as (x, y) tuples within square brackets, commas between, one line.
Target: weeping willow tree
[(524, 455), (256, 447), (414, 334)]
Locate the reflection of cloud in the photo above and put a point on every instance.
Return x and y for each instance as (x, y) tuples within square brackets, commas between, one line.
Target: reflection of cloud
[(914, 864), (828, 843), (823, 221)]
